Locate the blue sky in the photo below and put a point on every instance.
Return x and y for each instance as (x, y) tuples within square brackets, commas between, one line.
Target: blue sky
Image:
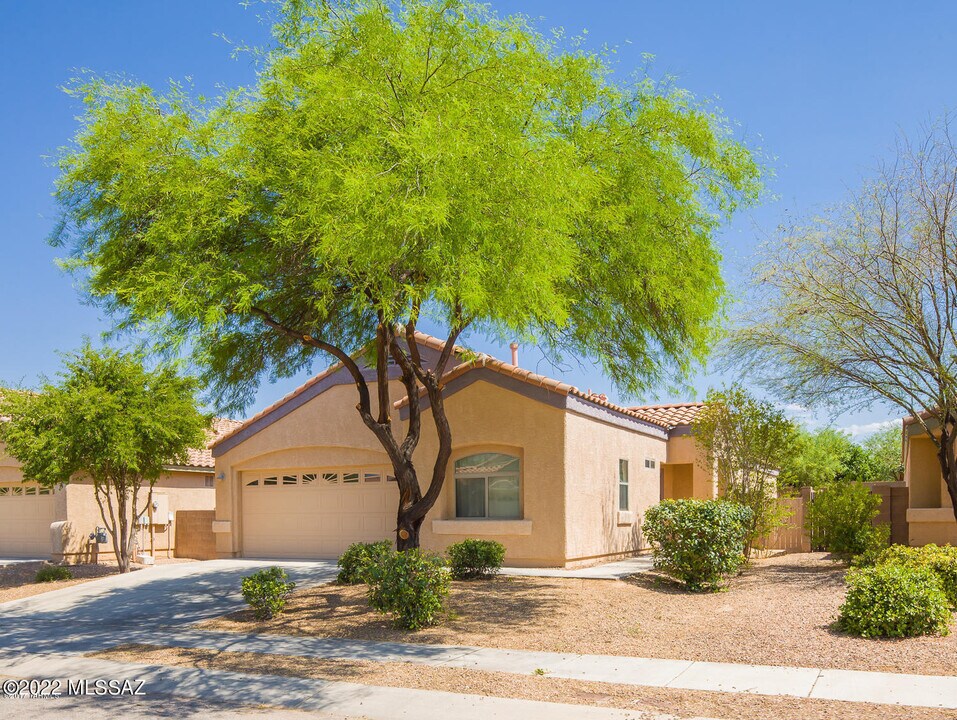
[(821, 87)]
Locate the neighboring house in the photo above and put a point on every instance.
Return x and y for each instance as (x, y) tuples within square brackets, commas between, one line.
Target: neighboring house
[(930, 513), (57, 523), (559, 476)]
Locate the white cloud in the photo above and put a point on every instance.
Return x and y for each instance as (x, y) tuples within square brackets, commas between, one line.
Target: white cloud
[(859, 432)]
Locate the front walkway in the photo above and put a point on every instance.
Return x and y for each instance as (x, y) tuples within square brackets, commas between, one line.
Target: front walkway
[(608, 571)]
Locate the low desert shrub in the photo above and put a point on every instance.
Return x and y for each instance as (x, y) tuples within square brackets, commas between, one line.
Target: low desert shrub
[(940, 559), (358, 558), (877, 544), (266, 592), (699, 542), (475, 558), (839, 518), (894, 600), (52, 573), (411, 586)]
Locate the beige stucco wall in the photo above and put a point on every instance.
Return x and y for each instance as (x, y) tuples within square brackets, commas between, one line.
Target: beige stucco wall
[(930, 516), (686, 457), (488, 418), (596, 528), (324, 432), (175, 491), (553, 445)]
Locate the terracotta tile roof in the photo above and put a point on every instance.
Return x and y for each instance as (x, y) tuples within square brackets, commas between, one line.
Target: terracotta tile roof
[(203, 457), (672, 415)]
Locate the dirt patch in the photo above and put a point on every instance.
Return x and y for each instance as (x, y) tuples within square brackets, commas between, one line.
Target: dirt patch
[(681, 703), (778, 612)]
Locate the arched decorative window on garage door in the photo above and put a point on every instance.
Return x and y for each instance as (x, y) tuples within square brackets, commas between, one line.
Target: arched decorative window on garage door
[(488, 485)]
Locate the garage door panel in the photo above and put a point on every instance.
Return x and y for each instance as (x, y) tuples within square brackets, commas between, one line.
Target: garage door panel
[(318, 518), (25, 521)]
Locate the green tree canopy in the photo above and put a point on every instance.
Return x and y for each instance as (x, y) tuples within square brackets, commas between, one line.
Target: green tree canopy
[(829, 455), (401, 161), (746, 441), (108, 420)]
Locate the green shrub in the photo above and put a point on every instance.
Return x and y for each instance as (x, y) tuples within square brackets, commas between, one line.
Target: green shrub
[(941, 560), (266, 592), (877, 543), (52, 573), (894, 600), (411, 586), (475, 558), (699, 542), (358, 558), (839, 518)]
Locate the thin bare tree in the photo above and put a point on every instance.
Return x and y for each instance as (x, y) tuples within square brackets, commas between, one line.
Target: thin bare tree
[(859, 306)]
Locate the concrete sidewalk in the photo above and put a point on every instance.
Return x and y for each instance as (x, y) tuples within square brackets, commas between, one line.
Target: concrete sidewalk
[(820, 683), (328, 697)]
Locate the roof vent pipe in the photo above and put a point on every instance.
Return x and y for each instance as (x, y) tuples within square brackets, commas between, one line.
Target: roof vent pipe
[(514, 347)]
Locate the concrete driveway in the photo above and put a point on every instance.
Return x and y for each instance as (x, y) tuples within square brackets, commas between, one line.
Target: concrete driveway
[(79, 618)]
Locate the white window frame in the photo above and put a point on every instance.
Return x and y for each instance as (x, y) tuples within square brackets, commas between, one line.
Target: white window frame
[(466, 476), (624, 483)]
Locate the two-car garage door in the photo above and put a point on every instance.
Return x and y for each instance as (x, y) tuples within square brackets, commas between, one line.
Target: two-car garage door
[(316, 513), (26, 512)]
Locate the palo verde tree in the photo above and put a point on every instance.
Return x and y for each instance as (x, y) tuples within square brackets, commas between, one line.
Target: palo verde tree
[(746, 441), (110, 421), (861, 306), (396, 162)]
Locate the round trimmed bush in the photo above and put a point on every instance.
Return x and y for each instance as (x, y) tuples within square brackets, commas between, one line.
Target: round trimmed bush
[(475, 558), (358, 558), (894, 600), (266, 591), (940, 559), (699, 542), (411, 587)]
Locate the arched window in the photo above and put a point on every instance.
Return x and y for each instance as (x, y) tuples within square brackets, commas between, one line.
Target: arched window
[(487, 486)]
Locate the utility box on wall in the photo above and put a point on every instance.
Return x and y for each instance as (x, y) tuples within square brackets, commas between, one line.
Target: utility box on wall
[(159, 512)]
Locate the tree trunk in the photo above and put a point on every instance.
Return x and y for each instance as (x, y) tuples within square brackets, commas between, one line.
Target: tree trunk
[(948, 466)]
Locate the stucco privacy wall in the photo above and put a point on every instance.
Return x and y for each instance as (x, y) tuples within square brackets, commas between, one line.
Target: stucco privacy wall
[(488, 418), (595, 525), (324, 432)]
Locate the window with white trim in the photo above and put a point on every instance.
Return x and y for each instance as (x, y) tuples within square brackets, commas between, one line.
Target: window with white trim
[(488, 485), (623, 485)]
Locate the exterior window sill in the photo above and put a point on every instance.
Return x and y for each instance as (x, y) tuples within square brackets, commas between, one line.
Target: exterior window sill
[(481, 526), (626, 518)]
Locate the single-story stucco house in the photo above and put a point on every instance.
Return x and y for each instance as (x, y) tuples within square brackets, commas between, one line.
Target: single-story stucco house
[(56, 523), (561, 477), (930, 513)]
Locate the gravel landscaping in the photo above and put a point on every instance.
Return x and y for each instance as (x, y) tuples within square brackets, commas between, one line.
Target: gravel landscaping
[(17, 581), (680, 703), (778, 612)]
